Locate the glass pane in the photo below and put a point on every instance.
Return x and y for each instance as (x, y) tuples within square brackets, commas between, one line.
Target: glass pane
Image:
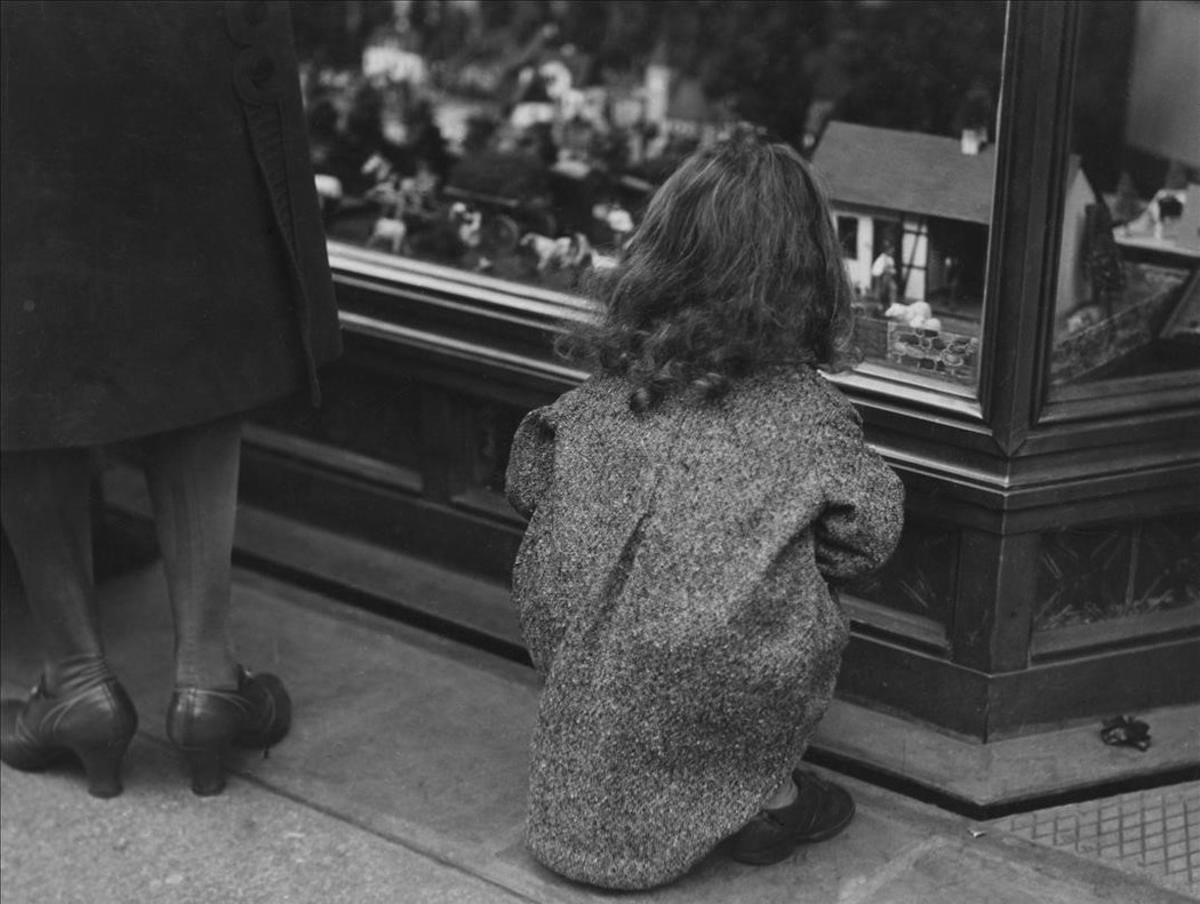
[(1127, 303), (1095, 573), (920, 577), (522, 138)]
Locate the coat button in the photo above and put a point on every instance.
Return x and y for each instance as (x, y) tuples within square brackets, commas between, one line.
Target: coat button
[(256, 76)]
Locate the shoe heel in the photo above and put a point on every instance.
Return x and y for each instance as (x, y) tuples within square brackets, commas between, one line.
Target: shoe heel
[(102, 763), (208, 772)]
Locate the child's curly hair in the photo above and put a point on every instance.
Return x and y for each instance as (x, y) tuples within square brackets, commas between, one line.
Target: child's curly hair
[(736, 265)]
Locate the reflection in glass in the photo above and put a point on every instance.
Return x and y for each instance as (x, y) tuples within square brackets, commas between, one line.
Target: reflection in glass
[(920, 577), (1127, 299), (1095, 573), (521, 138)]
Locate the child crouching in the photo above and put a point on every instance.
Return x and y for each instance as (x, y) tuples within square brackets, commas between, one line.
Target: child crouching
[(690, 507)]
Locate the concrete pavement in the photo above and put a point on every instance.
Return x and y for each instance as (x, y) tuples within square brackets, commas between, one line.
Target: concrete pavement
[(404, 781)]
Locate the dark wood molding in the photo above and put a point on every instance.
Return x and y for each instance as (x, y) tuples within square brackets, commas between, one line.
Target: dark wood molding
[(930, 689), (991, 624), (1150, 673), (1097, 637), (1028, 179), (964, 459)]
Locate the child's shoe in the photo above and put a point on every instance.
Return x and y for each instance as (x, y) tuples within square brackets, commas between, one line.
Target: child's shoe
[(820, 811)]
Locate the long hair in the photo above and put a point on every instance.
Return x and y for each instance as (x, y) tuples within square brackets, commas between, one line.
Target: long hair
[(736, 265)]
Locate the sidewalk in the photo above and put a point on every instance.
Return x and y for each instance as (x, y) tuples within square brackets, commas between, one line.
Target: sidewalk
[(404, 781)]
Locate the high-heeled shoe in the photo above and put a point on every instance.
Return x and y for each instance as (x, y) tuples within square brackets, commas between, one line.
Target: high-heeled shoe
[(204, 724), (94, 726)]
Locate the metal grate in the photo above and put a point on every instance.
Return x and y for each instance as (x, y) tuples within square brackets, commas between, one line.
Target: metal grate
[(1154, 833)]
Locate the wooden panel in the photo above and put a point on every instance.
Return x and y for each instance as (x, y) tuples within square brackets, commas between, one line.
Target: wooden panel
[(981, 779), (366, 415), (345, 504), (1166, 673), (898, 680), (991, 627)]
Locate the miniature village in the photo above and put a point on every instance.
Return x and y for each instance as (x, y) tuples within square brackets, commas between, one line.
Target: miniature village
[(525, 165), (520, 140)]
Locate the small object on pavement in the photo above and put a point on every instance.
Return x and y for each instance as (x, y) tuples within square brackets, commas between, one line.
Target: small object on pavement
[(1126, 731)]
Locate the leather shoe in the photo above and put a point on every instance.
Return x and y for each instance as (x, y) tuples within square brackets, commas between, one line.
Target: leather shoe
[(93, 726), (820, 811), (203, 724)]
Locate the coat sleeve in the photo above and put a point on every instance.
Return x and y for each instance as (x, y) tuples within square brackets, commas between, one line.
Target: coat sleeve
[(531, 462), (860, 524)]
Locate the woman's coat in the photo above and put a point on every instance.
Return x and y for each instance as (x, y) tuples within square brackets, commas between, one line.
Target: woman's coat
[(164, 258)]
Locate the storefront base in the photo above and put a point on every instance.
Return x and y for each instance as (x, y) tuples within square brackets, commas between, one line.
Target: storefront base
[(982, 780), (987, 780)]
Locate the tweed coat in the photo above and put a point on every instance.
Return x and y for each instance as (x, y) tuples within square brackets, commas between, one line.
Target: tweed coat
[(673, 589), (164, 258)]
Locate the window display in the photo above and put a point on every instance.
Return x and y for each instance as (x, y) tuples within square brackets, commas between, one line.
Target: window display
[(520, 139), (1127, 302), (913, 211)]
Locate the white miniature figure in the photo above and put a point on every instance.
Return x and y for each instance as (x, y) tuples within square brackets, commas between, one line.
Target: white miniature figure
[(918, 315)]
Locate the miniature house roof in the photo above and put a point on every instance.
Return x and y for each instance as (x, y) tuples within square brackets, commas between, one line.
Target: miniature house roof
[(909, 172)]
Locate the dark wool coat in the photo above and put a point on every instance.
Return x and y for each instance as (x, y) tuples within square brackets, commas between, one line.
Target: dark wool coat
[(163, 257), (672, 588)]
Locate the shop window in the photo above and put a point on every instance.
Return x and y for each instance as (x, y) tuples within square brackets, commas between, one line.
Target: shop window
[(1127, 299), (1095, 573), (521, 139), (920, 577)]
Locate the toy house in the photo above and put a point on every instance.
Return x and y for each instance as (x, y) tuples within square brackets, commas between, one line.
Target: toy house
[(912, 213), (916, 197)]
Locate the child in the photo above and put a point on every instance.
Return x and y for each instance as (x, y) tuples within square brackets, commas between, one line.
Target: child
[(690, 506)]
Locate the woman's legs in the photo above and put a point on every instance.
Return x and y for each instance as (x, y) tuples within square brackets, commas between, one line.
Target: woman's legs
[(46, 513), (192, 474), (78, 707)]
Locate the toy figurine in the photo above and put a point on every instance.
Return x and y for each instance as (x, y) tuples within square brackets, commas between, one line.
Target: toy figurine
[(883, 278), (1082, 318), (389, 232), (565, 252), (469, 222), (547, 250), (1127, 206), (329, 193), (603, 262), (616, 218), (918, 315)]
